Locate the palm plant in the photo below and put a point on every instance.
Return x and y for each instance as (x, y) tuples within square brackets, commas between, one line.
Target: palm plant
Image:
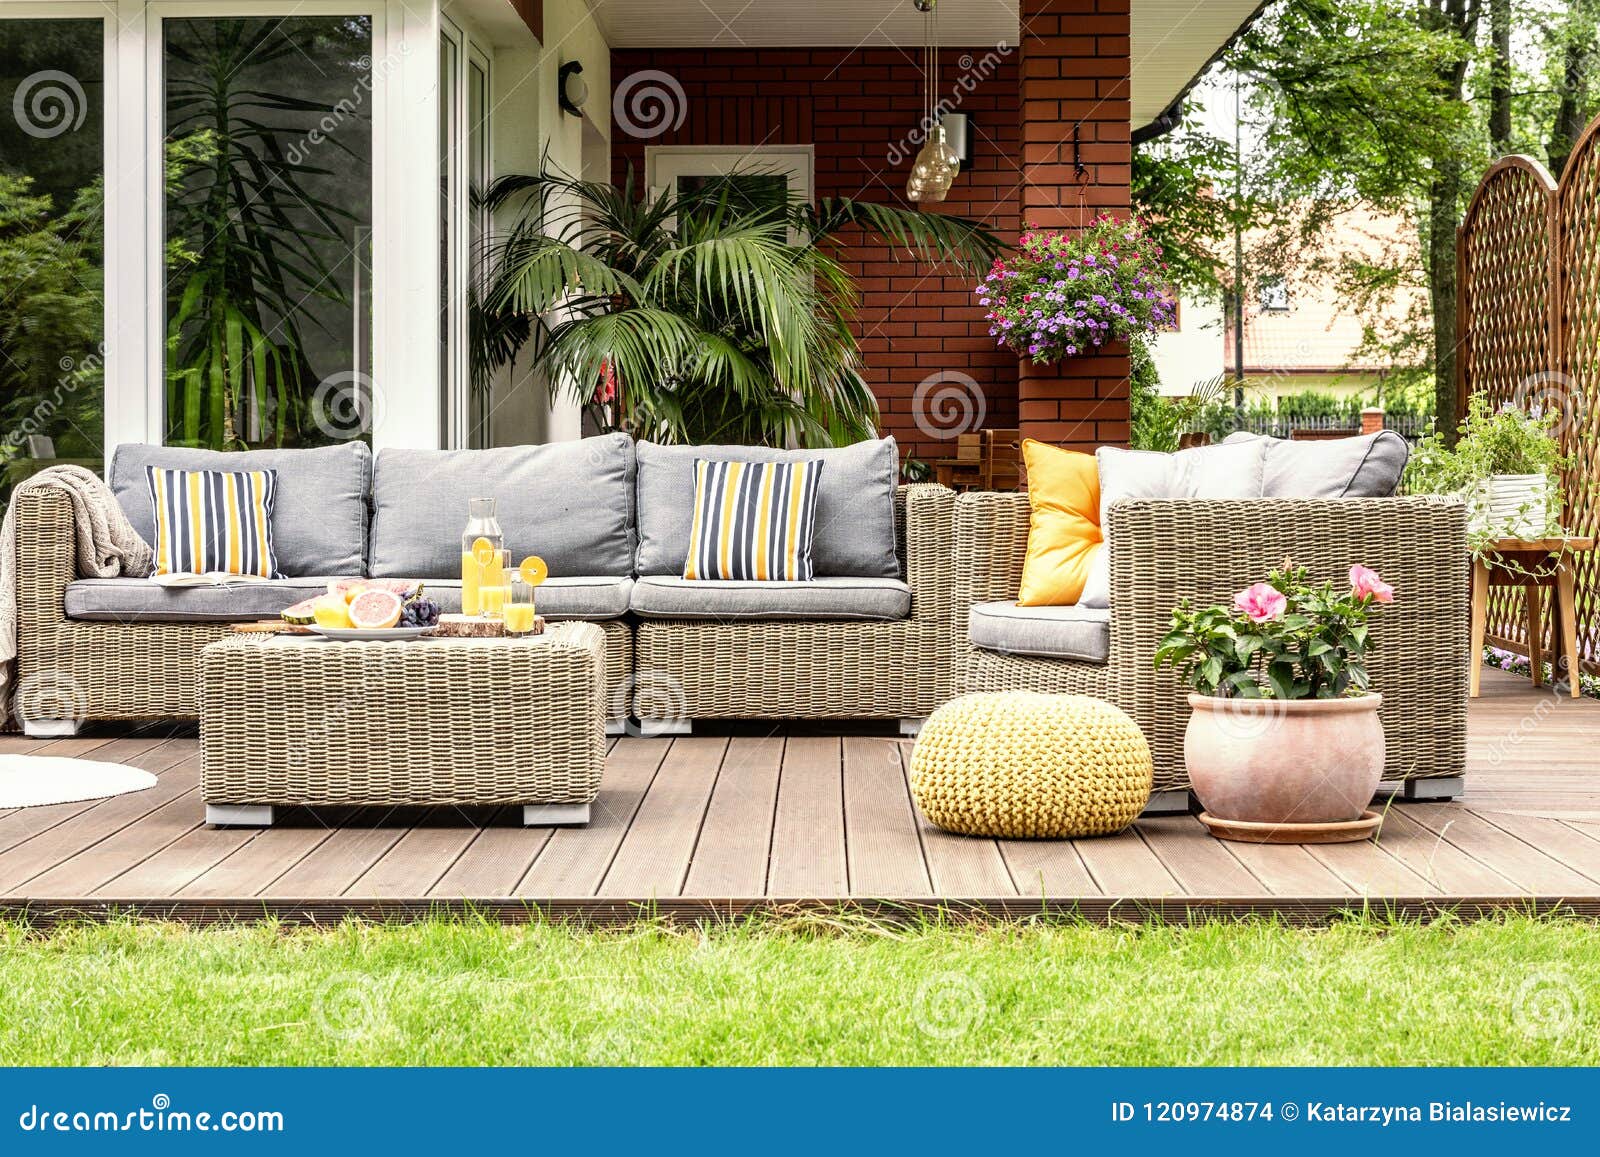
[(721, 318)]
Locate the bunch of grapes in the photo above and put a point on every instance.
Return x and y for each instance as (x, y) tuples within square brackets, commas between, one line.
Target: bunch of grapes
[(420, 613)]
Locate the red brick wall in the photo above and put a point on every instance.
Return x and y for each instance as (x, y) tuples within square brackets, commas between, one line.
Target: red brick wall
[(1074, 59), (855, 106)]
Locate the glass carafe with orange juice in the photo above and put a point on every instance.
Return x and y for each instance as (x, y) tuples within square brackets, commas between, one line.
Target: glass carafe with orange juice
[(482, 538)]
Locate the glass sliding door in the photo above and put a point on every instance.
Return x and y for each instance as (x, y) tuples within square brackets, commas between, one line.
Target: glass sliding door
[(52, 243), (268, 218)]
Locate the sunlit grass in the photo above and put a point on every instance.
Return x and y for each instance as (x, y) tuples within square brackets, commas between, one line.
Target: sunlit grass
[(845, 991)]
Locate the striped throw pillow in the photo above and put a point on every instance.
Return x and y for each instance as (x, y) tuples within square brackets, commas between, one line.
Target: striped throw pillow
[(214, 521), (753, 520)]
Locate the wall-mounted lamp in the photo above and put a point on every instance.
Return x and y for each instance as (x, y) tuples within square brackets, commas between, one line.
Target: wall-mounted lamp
[(571, 89), (958, 136)]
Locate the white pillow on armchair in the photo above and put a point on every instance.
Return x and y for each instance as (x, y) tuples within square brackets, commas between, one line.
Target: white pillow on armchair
[(1229, 470)]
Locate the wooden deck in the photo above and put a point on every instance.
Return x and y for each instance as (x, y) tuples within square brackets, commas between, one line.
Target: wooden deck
[(727, 824)]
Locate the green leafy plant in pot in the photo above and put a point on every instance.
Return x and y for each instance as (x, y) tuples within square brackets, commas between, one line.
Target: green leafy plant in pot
[(1506, 466), (1285, 727)]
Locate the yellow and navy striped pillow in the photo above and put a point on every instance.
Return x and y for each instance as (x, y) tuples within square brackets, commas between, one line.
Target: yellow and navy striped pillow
[(753, 520), (214, 521)]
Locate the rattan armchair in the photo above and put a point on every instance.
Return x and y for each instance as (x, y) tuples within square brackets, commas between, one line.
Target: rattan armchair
[(822, 669), (1205, 551), (69, 671)]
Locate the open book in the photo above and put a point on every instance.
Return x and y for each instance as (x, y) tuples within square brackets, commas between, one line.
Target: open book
[(215, 578)]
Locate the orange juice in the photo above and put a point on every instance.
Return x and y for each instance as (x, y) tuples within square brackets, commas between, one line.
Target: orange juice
[(493, 599), (519, 618), (471, 576)]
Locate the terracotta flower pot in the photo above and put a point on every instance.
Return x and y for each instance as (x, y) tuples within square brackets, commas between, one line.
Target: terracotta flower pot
[(1271, 761)]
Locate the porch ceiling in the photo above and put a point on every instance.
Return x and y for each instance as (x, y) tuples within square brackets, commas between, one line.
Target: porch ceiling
[(1172, 39)]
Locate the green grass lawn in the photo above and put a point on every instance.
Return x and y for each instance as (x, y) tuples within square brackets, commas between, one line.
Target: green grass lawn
[(1511, 991)]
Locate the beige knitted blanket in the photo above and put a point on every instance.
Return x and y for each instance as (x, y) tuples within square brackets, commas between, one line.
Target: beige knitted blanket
[(107, 547)]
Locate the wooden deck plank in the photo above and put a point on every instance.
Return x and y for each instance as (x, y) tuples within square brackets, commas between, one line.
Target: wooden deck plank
[(1445, 868), (1288, 871), (259, 862), (1124, 865), (23, 867), (419, 859), (1552, 837), (1052, 869), (1200, 864), (328, 868), (575, 860), (1511, 857), (1369, 869), (736, 837), (883, 851), (178, 864), (808, 840), (653, 858), (497, 858), (83, 874)]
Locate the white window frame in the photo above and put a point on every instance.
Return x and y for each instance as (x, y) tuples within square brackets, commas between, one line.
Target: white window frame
[(454, 401), (664, 164)]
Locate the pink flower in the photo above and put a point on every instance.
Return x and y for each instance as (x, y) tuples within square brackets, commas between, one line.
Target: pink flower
[(1365, 583), (1263, 602)]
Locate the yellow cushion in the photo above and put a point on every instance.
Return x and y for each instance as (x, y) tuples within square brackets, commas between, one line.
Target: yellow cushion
[(1064, 528)]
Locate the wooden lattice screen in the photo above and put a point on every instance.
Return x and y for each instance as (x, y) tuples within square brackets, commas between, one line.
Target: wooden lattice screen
[(1528, 262)]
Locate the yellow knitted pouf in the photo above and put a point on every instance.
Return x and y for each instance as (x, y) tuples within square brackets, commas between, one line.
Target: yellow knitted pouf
[(1020, 763)]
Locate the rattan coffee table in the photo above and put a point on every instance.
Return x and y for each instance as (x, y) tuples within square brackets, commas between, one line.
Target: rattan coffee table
[(296, 720)]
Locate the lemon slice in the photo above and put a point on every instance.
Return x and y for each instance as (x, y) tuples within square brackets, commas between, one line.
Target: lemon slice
[(483, 551), (533, 570)]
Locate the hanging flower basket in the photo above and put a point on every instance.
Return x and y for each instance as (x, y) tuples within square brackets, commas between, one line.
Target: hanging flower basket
[(1065, 294)]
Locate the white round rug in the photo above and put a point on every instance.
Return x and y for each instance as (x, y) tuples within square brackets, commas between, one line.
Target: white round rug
[(34, 780)]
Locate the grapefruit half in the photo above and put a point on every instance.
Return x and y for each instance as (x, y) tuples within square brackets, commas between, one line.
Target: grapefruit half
[(373, 610)]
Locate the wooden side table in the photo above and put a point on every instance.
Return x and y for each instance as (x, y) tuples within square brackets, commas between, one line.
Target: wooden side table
[(1532, 564)]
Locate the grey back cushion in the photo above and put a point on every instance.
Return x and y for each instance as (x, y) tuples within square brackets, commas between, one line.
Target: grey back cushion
[(1225, 471), (1365, 466), (319, 522), (570, 503), (854, 534)]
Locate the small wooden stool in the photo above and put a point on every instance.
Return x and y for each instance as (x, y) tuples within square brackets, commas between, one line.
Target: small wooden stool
[(1532, 564)]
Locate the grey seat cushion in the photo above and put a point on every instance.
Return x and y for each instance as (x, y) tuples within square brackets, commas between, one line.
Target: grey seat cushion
[(854, 533), (556, 598), (319, 522), (1364, 466), (570, 503), (132, 600), (671, 597), (1080, 632)]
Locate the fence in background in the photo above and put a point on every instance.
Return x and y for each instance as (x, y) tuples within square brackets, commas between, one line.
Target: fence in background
[(1528, 333)]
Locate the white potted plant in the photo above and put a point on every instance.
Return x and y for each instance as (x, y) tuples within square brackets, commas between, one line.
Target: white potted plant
[(1284, 744), (1505, 466)]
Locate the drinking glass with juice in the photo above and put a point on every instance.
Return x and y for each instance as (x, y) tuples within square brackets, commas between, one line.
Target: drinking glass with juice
[(493, 568), (520, 617)]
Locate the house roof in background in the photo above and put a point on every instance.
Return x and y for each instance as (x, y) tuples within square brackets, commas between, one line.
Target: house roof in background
[(1321, 330), (1172, 40)]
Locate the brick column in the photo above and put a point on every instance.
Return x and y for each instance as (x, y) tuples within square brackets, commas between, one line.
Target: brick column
[(1075, 73)]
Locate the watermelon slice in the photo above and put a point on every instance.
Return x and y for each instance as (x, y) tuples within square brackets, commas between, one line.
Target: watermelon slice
[(303, 613), (348, 588)]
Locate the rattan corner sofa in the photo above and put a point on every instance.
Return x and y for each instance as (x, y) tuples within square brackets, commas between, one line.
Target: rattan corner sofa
[(1161, 552), (873, 637)]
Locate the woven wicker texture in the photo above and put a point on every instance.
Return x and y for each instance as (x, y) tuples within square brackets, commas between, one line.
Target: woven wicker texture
[(1021, 764), (290, 720), (80, 670), (1207, 550), (816, 670)]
